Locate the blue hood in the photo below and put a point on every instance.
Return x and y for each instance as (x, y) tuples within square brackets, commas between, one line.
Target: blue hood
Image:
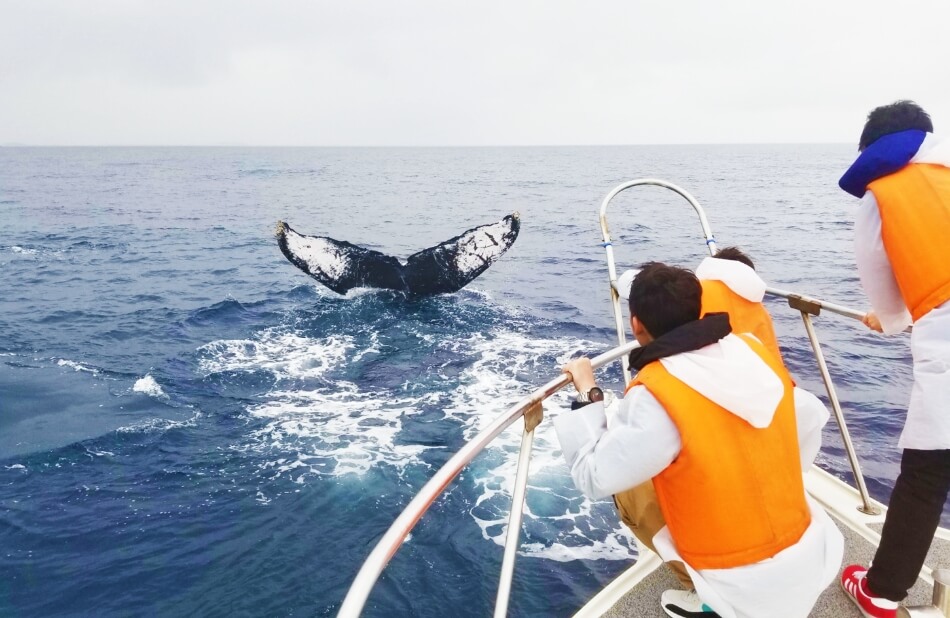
[(883, 156)]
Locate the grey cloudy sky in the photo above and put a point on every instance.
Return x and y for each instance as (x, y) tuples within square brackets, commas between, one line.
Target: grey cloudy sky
[(410, 72)]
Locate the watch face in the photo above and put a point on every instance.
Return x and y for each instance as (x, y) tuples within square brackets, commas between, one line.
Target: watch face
[(595, 394)]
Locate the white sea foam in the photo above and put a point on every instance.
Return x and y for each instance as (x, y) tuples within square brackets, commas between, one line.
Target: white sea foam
[(15, 467), (150, 387), (76, 366), (286, 355), (158, 425), (341, 428), (341, 432), (23, 251), (331, 429)]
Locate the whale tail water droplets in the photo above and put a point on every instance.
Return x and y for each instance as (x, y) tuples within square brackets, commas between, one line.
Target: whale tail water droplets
[(446, 267)]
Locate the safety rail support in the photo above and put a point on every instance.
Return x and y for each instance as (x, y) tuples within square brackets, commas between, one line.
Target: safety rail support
[(513, 534), (868, 507)]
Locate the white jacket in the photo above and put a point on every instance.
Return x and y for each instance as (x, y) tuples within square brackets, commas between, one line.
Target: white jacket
[(642, 440)]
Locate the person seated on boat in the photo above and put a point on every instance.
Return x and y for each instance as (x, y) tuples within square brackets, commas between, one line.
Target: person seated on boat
[(731, 285), (902, 176), (711, 419)]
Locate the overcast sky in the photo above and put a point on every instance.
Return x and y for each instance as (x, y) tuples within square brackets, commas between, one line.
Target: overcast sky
[(485, 72)]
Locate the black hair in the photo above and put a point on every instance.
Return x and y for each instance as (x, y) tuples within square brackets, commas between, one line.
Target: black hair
[(664, 297), (898, 116), (735, 254)]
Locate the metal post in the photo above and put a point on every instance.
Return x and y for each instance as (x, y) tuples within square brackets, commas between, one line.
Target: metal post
[(867, 507), (942, 590), (513, 536)]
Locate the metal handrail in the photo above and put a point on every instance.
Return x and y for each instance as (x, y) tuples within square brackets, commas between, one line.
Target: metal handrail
[(394, 537), (819, 304), (805, 304), (608, 247)]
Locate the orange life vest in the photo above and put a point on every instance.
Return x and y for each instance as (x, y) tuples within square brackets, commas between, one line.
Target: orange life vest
[(914, 203), (734, 495), (745, 316)]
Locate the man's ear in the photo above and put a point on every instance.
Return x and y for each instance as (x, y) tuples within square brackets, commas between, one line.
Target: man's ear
[(636, 326)]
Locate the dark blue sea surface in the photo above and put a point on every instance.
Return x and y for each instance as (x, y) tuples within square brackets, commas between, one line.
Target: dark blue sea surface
[(189, 425)]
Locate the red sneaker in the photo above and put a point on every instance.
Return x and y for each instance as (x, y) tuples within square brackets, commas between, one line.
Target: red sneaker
[(854, 583)]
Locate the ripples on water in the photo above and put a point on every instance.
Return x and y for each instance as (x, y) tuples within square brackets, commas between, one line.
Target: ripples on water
[(190, 425)]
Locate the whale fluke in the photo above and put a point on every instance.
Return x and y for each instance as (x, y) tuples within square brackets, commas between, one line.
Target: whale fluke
[(446, 267)]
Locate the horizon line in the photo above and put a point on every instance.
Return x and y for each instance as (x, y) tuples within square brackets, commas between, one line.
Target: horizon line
[(227, 145)]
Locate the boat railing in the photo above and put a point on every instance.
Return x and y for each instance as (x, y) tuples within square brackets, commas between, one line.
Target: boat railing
[(529, 408)]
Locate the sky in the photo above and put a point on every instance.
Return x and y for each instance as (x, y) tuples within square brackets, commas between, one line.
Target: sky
[(452, 73)]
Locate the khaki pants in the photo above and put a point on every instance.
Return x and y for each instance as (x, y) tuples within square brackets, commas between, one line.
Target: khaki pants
[(640, 510)]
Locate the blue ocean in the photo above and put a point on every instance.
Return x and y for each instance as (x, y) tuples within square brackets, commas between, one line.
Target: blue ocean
[(191, 426)]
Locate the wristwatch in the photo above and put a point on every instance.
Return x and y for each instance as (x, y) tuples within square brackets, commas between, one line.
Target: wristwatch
[(594, 394)]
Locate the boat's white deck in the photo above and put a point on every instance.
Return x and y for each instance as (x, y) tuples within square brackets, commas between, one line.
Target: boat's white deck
[(643, 600)]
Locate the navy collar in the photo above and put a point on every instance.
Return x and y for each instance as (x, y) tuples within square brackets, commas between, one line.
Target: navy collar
[(883, 156)]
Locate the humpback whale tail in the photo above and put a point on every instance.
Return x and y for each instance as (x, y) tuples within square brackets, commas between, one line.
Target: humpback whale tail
[(446, 267)]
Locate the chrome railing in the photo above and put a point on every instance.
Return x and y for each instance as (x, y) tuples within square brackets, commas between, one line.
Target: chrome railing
[(608, 246)]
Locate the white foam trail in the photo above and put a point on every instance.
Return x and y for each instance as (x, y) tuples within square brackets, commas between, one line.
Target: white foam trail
[(158, 425), (286, 355), (339, 432), (339, 428), (331, 429), (76, 366)]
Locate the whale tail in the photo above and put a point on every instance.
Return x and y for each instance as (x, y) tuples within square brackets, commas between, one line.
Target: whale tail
[(446, 267)]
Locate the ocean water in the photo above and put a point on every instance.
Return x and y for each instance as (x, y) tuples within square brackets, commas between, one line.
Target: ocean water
[(189, 425)]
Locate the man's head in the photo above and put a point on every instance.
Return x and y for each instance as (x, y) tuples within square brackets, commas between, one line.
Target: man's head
[(898, 116), (736, 255), (662, 298)]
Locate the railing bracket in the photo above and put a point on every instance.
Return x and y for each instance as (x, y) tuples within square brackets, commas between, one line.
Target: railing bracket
[(533, 416), (805, 305)]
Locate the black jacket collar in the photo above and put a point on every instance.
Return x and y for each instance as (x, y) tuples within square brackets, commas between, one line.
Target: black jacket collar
[(686, 338)]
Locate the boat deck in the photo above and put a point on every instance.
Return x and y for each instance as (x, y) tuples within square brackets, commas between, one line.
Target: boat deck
[(643, 599)]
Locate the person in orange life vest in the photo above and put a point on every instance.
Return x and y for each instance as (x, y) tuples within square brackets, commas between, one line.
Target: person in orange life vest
[(902, 176), (710, 416), (731, 285)]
